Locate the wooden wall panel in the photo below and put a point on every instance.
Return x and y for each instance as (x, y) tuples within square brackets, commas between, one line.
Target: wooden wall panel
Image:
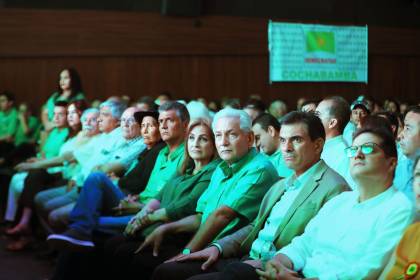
[(144, 54)]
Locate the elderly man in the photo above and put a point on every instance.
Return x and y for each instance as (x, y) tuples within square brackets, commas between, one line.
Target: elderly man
[(230, 202), (267, 140), (283, 214), (354, 233), (409, 150), (98, 187), (112, 158), (334, 113)]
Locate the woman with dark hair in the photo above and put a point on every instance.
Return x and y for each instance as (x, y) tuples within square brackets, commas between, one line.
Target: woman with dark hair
[(69, 89), (176, 200), (41, 174)]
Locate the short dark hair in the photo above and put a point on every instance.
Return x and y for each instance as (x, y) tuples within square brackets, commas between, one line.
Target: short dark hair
[(265, 120), (61, 103), (9, 95), (313, 123), (339, 110), (377, 121), (179, 108), (311, 101), (388, 142), (392, 119), (255, 104)]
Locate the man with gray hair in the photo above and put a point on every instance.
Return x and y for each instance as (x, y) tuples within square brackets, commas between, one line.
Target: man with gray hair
[(230, 202)]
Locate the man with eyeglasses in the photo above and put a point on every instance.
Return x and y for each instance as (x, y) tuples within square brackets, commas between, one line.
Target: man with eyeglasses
[(353, 235)]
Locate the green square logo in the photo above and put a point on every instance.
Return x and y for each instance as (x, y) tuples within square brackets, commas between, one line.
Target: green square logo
[(320, 41)]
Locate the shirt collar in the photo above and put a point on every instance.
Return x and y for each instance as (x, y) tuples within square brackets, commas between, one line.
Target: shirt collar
[(293, 182), (373, 201), (177, 152), (229, 170)]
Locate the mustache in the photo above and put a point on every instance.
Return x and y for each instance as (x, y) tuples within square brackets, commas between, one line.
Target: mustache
[(88, 127)]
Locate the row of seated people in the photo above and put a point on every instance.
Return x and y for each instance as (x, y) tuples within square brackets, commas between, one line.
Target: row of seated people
[(215, 197)]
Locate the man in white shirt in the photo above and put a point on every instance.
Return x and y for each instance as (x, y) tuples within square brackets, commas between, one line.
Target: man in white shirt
[(334, 113), (353, 235), (266, 130), (410, 149)]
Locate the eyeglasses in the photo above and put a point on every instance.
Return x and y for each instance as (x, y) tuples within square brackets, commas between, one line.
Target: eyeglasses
[(366, 149), (128, 121)]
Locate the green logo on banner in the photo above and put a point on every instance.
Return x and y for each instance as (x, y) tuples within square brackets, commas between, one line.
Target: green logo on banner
[(320, 41)]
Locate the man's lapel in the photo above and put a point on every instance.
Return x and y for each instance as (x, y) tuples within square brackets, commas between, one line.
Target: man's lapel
[(306, 191)]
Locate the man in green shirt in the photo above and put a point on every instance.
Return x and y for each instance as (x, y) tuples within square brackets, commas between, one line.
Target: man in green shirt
[(266, 129), (230, 202), (8, 122)]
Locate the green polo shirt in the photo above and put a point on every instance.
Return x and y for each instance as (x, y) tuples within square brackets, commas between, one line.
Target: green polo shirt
[(166, 167), (34, 129), (277, 160), (8, 122), (240, 187), (179, 196), (54, 141)]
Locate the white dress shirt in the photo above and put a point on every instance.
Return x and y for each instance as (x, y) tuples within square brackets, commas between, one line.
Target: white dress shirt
[(351, 240)]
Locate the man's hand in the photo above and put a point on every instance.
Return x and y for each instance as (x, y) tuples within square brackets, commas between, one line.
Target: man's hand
[(274, 270), (210, 255), (128, 205), (154, 239)]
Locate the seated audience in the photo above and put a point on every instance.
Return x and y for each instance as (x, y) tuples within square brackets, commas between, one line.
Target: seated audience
[(285, 210), (366, 224), (8, 122), (230, 202), (360, 108)]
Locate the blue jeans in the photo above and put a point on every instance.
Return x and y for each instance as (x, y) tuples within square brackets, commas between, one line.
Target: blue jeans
[(97, 197)]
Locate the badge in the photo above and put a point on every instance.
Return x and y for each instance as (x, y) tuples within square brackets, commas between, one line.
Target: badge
[(411, 270)]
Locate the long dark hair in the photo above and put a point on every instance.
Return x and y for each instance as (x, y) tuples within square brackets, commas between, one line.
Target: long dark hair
[(80, 106), (188, 161), (75, 81)]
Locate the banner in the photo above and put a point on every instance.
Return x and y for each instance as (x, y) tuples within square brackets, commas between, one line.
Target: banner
[(312, 52)]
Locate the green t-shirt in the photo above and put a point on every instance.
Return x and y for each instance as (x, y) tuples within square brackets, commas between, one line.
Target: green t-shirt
[(166, 167), (8, 122), (56, 97), (54, 141), (34, 128), (277, 160), (240, 187), (179, 196)]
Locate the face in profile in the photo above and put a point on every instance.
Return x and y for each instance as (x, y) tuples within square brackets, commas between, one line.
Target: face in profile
[(65, 80), (298, 150), (170, 126), (264, 139), (232, 142), (73, 117), (410, 136), (60, 116), (90, 123), (106, 121), (200, 143), (150, 131), (129, 126)]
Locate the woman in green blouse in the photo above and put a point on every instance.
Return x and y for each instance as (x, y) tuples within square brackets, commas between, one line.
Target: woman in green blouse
[(69, 90), (179, 197)]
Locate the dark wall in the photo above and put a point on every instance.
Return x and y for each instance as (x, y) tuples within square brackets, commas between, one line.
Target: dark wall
[(145, 53), (397, 13)]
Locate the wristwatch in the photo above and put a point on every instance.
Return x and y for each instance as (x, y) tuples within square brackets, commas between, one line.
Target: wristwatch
[(186, 251)]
